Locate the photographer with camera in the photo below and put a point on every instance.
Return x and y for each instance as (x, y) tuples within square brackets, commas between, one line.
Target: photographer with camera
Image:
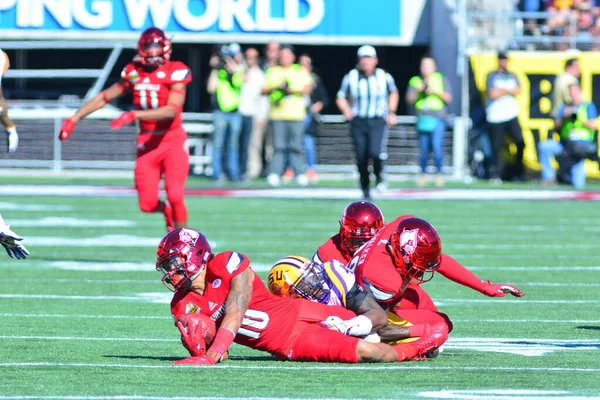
[(225, 83), (576, 124), (286, 85)]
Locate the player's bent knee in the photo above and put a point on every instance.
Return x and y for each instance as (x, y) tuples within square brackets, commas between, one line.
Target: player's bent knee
[(367, 352), (149, 207)]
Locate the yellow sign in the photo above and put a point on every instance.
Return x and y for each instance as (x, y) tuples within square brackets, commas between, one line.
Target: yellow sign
[(536, 72)]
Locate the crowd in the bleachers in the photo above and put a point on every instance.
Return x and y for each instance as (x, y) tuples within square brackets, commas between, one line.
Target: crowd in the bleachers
[(572, 23)]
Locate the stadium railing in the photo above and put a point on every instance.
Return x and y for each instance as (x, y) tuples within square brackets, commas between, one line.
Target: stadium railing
[(94, 145)]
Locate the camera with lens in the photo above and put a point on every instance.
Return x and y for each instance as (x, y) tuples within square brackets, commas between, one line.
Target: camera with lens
[(227, 50)]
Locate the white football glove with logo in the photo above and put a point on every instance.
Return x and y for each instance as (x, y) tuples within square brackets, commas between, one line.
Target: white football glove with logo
[(12, 138), (359, 326), (9, 240)]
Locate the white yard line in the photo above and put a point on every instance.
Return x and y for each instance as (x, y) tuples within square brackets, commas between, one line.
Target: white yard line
[(305, 367)]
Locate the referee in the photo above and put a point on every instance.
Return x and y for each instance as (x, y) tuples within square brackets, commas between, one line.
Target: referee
[(368, 98)]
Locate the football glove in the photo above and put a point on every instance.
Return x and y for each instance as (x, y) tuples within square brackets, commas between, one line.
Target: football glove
[(201, 360), (335, 324), (12, 139), (192, 338), (500, 290), (9, 239), (66, 129), (123, 119)]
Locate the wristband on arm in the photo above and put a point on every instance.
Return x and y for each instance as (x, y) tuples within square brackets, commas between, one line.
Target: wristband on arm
[(222, 342)]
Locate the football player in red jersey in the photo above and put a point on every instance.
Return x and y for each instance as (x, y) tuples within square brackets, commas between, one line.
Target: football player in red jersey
[(224, 287), (405, 254), (158, 86), (360, 221)]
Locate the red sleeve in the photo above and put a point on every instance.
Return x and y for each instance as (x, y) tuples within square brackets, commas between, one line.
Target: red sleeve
[(380, 279), (453, 270), (180, 73)]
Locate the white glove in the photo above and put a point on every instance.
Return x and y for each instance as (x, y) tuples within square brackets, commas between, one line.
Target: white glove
[(359, 326), (8, 239), (13, 139), (335, 323)]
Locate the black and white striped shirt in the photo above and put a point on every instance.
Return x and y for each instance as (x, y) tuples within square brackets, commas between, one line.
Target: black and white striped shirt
[(367, 95)]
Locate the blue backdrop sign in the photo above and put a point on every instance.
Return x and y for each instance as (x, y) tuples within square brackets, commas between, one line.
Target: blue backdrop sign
[(343, 21)]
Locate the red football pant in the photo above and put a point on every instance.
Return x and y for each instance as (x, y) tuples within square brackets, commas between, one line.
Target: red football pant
[(162, 155), (416, 299), (312, 342)]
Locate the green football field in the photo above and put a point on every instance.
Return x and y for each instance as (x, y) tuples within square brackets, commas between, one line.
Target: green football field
[(86, 316)]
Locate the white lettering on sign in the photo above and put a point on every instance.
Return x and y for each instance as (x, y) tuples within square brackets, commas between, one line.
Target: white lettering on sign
[(249, 15)]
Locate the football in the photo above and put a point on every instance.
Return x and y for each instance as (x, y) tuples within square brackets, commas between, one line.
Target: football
[(204, 322)]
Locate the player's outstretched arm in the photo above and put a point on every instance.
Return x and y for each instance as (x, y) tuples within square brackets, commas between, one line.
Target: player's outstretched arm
[(363, 304), (236, 304), (453, 270), (96, 103)]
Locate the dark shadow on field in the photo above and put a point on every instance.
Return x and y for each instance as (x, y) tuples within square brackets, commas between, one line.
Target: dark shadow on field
[(589, 327), (232, 358)]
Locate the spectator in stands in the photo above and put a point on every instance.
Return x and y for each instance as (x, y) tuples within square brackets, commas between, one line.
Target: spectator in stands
[(576, 124), (254, 108), (564, 84), (502, 115), (315, 103), (584, 30), (429, 93), (12, 137), (286, 85), (368, 98), (271, 56), (225, 82)]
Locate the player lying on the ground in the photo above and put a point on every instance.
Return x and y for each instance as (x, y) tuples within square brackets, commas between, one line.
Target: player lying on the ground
[(158, 88), (224, 287), (333, 284), (403, 255), (360, 221), (10, 241)]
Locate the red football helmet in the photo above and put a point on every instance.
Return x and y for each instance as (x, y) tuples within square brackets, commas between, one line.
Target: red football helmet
[(154, 48), (416, 250), (181, 255), (360, 221)]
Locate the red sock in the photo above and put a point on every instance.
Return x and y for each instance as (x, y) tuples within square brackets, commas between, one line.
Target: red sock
[(405, 351)]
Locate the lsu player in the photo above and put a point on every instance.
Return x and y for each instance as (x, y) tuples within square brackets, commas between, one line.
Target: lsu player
[(405, 254), (11, 130), (224, 288), (10, 241), (360, 221), (158, 86), (333, 284)]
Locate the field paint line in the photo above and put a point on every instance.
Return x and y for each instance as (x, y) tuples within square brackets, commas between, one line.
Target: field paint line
[(304, 367), (71, 222), (65, 280), (503, 321), (32, 207), (140, 397), (503, 394), (101, 241), (521, 246), (163, 297), (83, 316), (74, 265), (93, 339), (450, 341)]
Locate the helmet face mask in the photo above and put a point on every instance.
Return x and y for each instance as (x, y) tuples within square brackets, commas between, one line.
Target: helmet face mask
[(181, 255), (298, 277), (154, 48), (416, 250), (360, 221)]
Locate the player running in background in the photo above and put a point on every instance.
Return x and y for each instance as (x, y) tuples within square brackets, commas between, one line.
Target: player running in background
[(333, 284), (9, 240), (360, 221), (158, 86), (405, 254), (224, 287), (12, 137)]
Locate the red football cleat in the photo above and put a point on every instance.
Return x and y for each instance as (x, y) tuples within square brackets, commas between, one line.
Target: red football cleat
[(432, 339), (168, 212)]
